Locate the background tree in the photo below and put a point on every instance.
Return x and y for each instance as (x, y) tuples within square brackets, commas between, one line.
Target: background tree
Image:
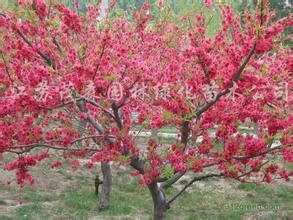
[(282, 9)]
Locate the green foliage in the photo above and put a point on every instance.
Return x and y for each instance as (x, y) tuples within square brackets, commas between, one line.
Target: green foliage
[(128, 5), (168, 172), (81, 3), (167, 115), (8, 5), (282, 9), (29, 212)]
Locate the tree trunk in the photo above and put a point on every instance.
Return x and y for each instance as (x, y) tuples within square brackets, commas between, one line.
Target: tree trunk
[(159, 200), (104, 200), (98, 182), (159, 211)]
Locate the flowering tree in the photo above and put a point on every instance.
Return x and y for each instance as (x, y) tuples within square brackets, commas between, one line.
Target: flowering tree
[(69, 84)]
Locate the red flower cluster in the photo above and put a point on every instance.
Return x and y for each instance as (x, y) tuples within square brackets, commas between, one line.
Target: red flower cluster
[(68, 84)]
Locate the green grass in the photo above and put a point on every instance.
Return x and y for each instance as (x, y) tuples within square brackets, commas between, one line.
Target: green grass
[(2, 217), (72, 197), (66, 175), (32, 211), (209, 204), (81, 201), (128, 198), (166, 129), (288, 166), (33, 197)]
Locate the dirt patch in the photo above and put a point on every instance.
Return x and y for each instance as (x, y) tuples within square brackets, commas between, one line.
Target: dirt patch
[(264, 214)]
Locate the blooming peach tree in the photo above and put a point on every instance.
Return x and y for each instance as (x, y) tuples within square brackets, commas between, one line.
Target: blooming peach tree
[(71, 84)]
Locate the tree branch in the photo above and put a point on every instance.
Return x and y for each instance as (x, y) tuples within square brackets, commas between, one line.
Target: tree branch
[(237, 75), (99, 63), (205, 70), (184, 140), (59, 106), (6, 68), (45, 144), (252, 170), (46, 58), (197, 178), (57, 45), (170, 182), (258, 154), (52, 147), (235, 78), (98, 106), (80, 104)]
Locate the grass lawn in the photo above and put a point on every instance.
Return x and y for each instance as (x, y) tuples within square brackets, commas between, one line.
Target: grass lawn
[(68, 194)]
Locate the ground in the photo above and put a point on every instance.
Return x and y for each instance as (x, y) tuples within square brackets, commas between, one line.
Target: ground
[(69, 194)]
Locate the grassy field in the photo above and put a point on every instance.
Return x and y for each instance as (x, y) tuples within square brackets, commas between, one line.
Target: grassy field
[(68, 194)]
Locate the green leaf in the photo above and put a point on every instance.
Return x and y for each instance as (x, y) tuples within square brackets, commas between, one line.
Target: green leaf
[(168, 172), (112, 77), (167, 115)]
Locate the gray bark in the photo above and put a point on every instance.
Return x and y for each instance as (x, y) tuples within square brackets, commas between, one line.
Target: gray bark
[(159, 201), (98, 182), (104, 199)]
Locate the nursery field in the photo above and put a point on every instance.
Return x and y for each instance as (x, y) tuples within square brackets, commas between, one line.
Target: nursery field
[(69, 194)]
